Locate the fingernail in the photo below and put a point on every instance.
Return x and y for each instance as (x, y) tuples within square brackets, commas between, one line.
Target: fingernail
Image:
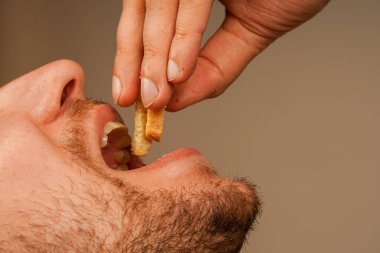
[(149, 92), (116, 88), (173, 70)]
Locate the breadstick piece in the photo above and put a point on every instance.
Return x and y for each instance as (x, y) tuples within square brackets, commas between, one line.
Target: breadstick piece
[(154, 125), (140, 144)]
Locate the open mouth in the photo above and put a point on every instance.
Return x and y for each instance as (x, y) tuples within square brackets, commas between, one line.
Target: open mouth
[(114, 144), (110, 141), (116, 147)]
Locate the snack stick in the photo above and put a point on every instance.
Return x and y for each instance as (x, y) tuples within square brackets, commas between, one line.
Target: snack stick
[(140, 144), (154, 125)]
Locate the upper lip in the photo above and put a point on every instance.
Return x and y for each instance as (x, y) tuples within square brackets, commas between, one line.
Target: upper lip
[(103, 114)]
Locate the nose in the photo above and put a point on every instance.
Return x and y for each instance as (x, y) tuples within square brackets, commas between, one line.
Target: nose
[(39, 92)]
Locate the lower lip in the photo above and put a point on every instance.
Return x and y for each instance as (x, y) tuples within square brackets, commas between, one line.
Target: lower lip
[(178, 154)]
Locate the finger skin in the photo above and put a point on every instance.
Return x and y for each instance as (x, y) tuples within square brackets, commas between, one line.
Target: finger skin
[(221, 60), (241, 37), (190, 25), (129, 51), (157, 36)]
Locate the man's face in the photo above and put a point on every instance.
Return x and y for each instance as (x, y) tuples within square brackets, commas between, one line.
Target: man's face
[(59, 193)]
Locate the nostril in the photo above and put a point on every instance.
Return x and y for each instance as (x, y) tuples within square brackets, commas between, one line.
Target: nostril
[(67, 91), (64, 96)]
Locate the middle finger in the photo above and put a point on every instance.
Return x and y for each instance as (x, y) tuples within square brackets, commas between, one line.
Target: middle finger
[(159, 27)]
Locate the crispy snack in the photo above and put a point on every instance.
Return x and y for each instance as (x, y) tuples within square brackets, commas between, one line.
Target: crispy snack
[(140, 144), (148, 127), (154, 125)]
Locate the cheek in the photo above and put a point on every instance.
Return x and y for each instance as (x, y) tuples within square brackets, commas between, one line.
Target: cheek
[(29, 165), (31, 175)]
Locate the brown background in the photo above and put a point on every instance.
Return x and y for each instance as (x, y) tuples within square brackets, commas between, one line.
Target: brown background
[(302, 121)]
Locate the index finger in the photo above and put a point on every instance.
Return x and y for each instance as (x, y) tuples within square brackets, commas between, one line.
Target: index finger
[(129, 53)]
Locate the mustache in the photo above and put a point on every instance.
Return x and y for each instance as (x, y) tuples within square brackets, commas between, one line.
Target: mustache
[(74, 135), (77, 109)]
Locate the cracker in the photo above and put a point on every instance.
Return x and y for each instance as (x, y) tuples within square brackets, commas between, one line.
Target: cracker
[(154, 125), (140, 144)]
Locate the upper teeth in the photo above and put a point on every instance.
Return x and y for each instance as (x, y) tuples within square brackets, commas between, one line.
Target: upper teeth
[(108, 128), (111, 125), (115, 146), (104, 141)]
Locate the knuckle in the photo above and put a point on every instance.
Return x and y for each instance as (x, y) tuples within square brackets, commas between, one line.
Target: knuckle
[(216, 92), (157, 6), (183, 31), (150, 49), (120, 47), (180, 35)]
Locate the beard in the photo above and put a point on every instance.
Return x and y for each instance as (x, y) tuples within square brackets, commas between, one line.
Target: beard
[(214, 216)]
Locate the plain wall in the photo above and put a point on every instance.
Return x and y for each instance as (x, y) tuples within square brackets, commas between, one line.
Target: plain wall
[(302, 121)]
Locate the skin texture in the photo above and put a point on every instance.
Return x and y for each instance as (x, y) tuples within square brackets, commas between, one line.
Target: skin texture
[(151, 32), (58, 195)]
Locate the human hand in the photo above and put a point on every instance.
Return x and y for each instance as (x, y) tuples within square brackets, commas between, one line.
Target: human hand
[(158, 46)]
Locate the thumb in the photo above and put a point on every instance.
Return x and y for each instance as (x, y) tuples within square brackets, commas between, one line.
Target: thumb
[(220, 62)]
